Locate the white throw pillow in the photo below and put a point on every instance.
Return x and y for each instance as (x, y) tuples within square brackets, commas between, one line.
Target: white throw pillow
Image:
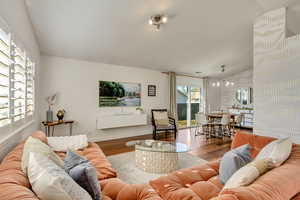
[(160, 115), (281, 152), (161, 118), (278, 150), (50, 182), (35, 145), (68, 142), (247, 174), (244, 176), (266, 151)]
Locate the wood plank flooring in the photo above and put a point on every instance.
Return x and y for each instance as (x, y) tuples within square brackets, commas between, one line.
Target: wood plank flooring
[(206, 149)]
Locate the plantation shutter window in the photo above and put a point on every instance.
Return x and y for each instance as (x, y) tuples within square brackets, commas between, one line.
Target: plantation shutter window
[(18, 84), (5, 62), (17, 71), (30, 87)]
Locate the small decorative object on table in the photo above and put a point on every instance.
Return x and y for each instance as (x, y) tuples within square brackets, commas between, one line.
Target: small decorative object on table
[(60, 115), (51, 101), (152, 90)]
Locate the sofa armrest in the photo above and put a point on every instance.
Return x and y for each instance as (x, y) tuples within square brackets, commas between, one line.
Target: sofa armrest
[(256, 142), (11, 191), (98, 159)]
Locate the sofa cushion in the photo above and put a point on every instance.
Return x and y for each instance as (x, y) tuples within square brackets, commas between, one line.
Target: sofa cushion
[(36, 145), (256, 142), (234, 160), (197, 183), (50, 182), (96, 156), (161, 118), (82, 171), (117, 189)]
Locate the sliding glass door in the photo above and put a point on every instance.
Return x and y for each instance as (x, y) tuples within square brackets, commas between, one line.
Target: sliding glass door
[(188, 104)]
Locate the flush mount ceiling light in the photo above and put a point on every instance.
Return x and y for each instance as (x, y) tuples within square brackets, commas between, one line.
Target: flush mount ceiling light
[(226, 83), (158, 20)]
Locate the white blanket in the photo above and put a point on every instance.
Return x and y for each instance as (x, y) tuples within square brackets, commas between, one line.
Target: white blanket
[(68, 142)]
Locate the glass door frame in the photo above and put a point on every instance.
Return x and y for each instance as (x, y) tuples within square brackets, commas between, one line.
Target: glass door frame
[(189, 104)]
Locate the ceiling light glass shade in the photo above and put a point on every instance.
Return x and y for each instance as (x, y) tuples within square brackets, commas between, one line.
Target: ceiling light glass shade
[(225, 83), (165, 19), (150, 21)]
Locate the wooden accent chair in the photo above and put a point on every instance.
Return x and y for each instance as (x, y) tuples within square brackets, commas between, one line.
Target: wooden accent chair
[(162, 122)]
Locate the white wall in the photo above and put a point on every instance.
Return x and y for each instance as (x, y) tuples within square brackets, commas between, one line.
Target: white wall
[(77, 84), (224, 97), (185, 80), (14, 13), (241, 80), (276, 77)]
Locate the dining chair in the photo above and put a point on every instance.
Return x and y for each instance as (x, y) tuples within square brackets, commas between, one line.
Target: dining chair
[(224, 127), (203, 125), (237, 122), (162, 123)]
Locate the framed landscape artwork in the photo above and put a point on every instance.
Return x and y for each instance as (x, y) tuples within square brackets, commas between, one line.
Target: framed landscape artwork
[(113, 94)]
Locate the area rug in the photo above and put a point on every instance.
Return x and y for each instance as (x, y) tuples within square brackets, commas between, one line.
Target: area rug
[(127, 171)]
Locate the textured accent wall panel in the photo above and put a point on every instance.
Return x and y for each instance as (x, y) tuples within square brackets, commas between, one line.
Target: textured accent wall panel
[(276, 77)]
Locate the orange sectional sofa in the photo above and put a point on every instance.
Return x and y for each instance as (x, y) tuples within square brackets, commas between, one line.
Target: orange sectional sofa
[(195, 183), (202, 182), (14, 184)]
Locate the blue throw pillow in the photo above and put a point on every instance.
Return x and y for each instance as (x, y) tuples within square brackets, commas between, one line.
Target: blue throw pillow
[(83, 173), (234, 160)]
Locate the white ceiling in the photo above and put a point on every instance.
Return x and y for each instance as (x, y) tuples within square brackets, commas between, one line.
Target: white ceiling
[(201, 35)]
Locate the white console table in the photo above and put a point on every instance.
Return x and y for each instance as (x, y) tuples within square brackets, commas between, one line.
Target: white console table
[(248, 116), (107, 121)]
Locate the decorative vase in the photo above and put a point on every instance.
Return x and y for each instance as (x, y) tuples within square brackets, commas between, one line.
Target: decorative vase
[(60, 115), (49, 116)]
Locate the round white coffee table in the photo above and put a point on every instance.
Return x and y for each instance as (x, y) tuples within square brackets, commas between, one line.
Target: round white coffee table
[(157, 156)]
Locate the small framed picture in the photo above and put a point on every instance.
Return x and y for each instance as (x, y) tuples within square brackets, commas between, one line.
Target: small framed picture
[(152, 90)]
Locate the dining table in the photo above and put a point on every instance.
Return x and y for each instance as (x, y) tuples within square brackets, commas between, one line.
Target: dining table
[(215, 119), (218, 116)]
